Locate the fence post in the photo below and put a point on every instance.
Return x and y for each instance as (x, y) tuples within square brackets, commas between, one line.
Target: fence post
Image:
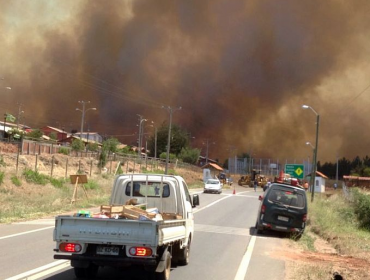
[(36, 163), (66, 169), (79, 166), (52, 166), (16, 169), (91, 165)]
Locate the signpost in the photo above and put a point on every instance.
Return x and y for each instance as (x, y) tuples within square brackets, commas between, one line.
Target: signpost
[(295, 170)]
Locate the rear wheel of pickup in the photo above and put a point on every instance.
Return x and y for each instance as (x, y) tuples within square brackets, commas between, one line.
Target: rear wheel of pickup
[(165, 274), (89, 272), (183, 255)]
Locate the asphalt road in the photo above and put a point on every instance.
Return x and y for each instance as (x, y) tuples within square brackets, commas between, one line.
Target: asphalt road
[(225, 246)]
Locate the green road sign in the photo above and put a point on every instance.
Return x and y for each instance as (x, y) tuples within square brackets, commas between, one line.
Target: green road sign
[(295, 170)]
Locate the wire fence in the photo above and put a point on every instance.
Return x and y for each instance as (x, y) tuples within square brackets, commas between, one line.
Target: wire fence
[(46, 159)]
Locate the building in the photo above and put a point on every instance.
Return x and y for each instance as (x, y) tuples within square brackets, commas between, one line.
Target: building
[(90, 136), (320, 181), (59, 133)]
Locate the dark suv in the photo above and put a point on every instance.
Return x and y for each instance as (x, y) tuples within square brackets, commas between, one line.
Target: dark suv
[(283, 208)]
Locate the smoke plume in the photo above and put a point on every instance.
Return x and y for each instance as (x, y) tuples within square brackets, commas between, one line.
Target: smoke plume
[(241, 70)]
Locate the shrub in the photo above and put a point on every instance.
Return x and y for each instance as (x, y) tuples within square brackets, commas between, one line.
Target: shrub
[(16, 181), (35, 177), (91, 185), (2, 162), (362, 208), (77, 145), (2, 175), (63, 150), (58, 183)]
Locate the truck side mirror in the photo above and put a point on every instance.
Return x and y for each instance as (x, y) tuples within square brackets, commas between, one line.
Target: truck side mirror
[(195, 200)]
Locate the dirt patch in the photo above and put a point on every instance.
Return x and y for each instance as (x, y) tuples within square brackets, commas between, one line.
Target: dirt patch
[(324, 263)]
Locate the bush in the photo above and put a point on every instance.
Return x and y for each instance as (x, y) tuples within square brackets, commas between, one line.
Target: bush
[(2, 162), (16, 181), (58, 183), (64, 151), (77, 145), (91, 185), (362, 208), (35, 177), (2, 175)]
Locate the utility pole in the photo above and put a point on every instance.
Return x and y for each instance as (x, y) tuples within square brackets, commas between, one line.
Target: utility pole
[(141, 120), (83, 111), (170, 110), (19, 114)]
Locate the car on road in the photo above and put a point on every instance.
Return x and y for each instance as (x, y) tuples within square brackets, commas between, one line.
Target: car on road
[(212, 186), (283, 208)]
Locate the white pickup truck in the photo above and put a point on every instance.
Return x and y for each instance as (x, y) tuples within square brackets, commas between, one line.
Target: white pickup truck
[(150, 243)]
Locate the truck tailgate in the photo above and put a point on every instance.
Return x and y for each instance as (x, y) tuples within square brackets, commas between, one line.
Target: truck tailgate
[(105, 231), (170, 231)]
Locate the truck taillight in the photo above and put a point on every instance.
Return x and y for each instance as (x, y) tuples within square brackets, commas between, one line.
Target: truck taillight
[(140, 251), (263, 208), (70, 247), (304, 218)]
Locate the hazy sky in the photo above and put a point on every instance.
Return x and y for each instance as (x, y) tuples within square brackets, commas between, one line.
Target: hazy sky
[(241, 70)]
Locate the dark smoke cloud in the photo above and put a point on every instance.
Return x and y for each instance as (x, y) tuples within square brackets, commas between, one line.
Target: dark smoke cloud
[(240, 69)]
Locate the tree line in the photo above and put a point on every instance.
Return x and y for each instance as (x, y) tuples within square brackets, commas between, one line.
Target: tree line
[(356, 167)]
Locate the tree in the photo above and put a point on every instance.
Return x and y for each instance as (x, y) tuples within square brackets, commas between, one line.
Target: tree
[(53, 136), (35, 134), (94, 147), (189, 155), (77, 145), (110, 145), (179, 140)]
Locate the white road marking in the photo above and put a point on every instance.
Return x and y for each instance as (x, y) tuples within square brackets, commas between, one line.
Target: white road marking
[(41, 271), (222, 230), (25, 232), (209, 205), (243, 267)]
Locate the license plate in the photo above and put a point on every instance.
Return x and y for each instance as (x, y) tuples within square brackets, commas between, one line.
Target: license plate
[(282, 218), (278, 227), (111, 251)]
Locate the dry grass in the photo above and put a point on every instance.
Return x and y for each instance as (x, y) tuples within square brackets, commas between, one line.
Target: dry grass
[(332, 243), (28, 201)]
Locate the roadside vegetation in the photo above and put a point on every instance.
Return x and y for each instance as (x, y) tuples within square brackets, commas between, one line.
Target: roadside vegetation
[(341, 220), (34, 195)]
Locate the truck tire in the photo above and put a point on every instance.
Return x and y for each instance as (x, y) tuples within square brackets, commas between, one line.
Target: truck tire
[(165, 274), (79, 272), (89, 272), (183, 255)]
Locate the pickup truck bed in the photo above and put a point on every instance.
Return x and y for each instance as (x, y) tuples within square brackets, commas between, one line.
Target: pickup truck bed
[(118, 231)]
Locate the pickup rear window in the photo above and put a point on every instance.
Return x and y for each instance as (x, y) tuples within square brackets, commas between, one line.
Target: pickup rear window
[(287, 197), (152, 190)]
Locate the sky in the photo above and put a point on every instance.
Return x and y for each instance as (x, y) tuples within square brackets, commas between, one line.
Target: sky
[(240, 70)]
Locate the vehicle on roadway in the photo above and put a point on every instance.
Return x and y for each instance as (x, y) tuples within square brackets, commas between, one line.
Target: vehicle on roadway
[(126, 234), (283, 208), (212, 186)]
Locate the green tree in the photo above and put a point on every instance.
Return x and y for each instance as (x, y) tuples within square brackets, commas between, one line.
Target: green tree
[(93, 147), (179, 140), (189, 155), (35, 134), (164, 154), (110, 145), (53, 136), (77, 145)]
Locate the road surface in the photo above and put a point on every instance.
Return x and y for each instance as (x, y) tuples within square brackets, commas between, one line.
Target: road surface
[(225, 246)]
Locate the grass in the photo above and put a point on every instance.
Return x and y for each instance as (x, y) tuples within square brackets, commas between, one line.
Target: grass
[(333, 219), (50, 199), (16, 181)]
